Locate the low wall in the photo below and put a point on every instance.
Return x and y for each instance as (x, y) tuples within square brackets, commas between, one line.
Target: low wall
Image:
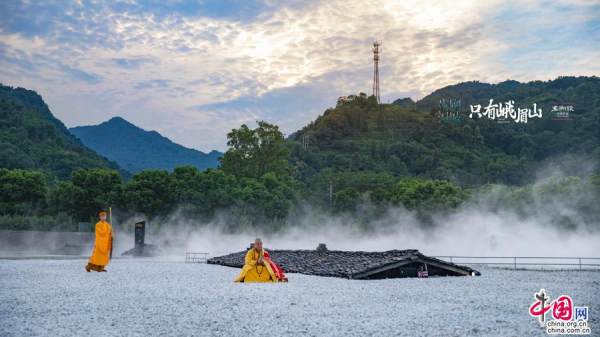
[(21, 243)]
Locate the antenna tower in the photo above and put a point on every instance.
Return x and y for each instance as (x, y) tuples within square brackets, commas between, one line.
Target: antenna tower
[(376, 45)]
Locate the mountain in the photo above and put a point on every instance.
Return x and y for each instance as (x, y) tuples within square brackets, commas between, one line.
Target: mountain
[(136, 149), (403, 139), (404, 102), (32, 138)]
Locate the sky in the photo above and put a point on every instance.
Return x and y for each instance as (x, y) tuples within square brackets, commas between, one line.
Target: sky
[(194, 70)]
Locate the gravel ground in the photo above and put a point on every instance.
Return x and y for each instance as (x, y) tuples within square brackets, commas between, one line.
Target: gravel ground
[(160, 298)]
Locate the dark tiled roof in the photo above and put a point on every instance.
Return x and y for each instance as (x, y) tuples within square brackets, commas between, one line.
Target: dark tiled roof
[(346, 264)]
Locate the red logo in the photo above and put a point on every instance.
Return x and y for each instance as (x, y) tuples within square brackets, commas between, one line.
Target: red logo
[(562, 307)]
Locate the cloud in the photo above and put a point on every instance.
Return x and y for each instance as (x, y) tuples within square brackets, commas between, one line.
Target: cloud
[(287, 106), (156, 83), (195, 70), (81, 75), (131, 63)]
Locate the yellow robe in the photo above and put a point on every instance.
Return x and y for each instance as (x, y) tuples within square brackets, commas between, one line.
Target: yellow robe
[(252, 272), (103, 245)]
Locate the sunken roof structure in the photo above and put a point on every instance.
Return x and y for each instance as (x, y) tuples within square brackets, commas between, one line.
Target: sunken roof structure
[(354, 264)]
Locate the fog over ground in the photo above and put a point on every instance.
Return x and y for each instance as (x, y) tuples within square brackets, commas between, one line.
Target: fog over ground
[(552, 218), (467, 232), (555, 216)]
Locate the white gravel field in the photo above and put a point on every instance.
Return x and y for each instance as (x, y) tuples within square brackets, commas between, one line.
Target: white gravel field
[(146, 297)]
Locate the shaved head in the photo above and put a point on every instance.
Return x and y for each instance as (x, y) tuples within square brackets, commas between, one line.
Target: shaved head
[(258, 244)]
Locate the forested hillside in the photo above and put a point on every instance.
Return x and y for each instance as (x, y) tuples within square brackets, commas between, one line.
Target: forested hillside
[(32, 138), (359, 159), (416, 140)]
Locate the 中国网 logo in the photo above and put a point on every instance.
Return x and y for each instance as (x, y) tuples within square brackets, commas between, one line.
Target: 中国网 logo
[(566, 318)]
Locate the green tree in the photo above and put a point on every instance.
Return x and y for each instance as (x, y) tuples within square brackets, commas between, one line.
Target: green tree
[(267, 198), (150, 192), (21, 191), (187, 184), (346, 199), (416, 193), (63, 198), (89, 191), (253, 153), (217, 190), (201, 193)]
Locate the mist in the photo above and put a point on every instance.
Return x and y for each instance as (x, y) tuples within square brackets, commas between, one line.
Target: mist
[(465, 232), (555, 216)]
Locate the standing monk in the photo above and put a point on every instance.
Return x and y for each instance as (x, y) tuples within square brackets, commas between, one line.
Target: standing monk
[(102, 252)]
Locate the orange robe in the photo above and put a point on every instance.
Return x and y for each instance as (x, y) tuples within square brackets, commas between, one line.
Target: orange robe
[(253, 272), (103, 246)]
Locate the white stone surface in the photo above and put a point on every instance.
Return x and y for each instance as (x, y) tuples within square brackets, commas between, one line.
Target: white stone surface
[(166, 298)]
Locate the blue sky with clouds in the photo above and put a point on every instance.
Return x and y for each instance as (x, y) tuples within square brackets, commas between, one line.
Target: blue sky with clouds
[(193, 70)]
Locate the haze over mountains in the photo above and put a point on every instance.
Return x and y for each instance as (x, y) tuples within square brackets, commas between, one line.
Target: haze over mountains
[(136, 149)]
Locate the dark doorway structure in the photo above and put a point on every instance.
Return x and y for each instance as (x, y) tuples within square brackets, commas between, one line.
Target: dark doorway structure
[(140, 233)]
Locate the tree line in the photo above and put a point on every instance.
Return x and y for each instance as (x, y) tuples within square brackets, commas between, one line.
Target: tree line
[(257, 184), (254, 184)]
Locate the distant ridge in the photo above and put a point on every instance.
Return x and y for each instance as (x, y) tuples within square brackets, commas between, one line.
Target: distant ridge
[(32, 138), (136, 149)]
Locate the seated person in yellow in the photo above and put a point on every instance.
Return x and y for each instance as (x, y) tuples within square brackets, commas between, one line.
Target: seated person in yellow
[(256, 267), (102, 252)]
